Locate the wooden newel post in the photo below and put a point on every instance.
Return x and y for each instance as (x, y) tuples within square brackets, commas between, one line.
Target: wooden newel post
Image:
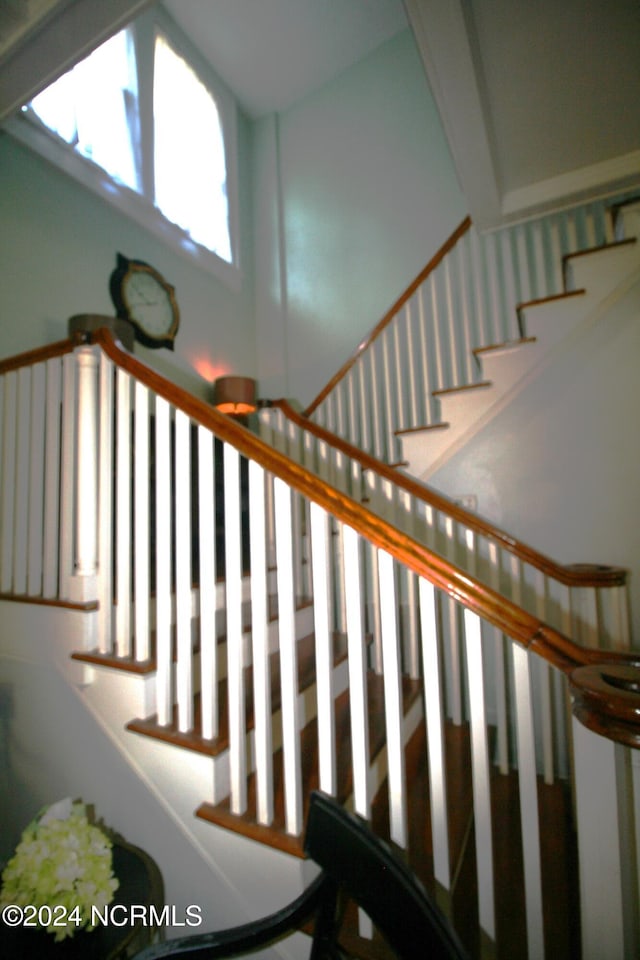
[(86, 522), (606, 735)]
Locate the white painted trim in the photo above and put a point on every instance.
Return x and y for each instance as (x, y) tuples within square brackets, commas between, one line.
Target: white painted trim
[(611, 172), (445, 47)]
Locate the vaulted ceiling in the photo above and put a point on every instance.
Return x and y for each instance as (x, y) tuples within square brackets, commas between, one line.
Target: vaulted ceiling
[(538, 100)]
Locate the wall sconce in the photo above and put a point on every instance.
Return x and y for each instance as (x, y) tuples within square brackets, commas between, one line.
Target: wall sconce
[(235, 395)]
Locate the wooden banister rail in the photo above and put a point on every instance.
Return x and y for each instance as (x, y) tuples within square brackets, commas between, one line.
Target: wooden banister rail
[(516, 623), (39, 355), (571, 575), (390, 314)]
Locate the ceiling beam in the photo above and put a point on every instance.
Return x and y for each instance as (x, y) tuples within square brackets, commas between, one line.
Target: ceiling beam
[(446, 48)]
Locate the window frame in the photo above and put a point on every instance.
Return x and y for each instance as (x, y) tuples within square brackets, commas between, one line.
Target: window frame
[(140, 207)]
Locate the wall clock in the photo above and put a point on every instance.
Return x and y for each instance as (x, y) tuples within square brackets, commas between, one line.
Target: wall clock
[(142, 296)]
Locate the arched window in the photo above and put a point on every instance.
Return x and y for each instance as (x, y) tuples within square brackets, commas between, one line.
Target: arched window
[(169, 167), (190, 170), (93, 108)]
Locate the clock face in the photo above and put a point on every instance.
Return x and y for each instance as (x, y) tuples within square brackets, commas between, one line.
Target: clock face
[(143, 297), (149, 303)]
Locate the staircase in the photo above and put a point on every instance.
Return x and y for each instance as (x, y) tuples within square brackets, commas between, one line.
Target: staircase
[(483, 317), (349, 656)]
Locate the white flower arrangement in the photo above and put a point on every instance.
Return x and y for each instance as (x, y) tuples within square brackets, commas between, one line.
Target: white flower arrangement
[(62, 859)]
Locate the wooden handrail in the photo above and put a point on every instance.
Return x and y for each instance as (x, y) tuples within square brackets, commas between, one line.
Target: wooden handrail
[(40, 354), (390, 314), (617, 716), (548, 643), (571, 575)]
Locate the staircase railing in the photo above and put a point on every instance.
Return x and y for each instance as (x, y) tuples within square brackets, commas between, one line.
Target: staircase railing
[(40, 556), (151, 493), (465, 298), (588, 602)]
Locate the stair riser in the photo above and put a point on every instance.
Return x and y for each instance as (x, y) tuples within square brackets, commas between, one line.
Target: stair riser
[(550, 322), (601, 271), (506, 367), (465, 403)]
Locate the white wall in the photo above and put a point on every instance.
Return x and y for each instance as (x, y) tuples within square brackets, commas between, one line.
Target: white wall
[(354, 192), (58, 247), (559, 468)]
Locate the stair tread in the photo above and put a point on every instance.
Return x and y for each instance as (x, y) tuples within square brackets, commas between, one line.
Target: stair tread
[(447, 391), (552, 298), (505, 345), (194, 740), (443, 425)]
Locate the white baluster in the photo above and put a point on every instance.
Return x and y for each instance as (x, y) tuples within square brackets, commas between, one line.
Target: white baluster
[(123, 515), (480, 774), (21, 492), (341, 427), (357, 674), (393, 701), (509, 291), (84, 582), (374, 406), (524, 273), (400, 412), (235, 644), (164, 552), (605, 817), (260, 645), (482, 321), (425, 377), (546, 679), (375, 653), (453, 644), (437, 317), (465, 283), (409, 374), (555, 244), (528, 791), (36, 480), (498, 641), (494, 287), (353, 420), (537, 266), (141, 515), (339, 587), (67, 474), (207, 591), (363, 406), (411, 625), (324, 648), (288, 660), (450, 337), (296, 544), (184, 664), (386, 397), (434, 719), (105, 506), (10, 403), (51, 552)]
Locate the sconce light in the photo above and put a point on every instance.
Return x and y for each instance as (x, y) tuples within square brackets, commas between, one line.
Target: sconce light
[(235, 395)]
